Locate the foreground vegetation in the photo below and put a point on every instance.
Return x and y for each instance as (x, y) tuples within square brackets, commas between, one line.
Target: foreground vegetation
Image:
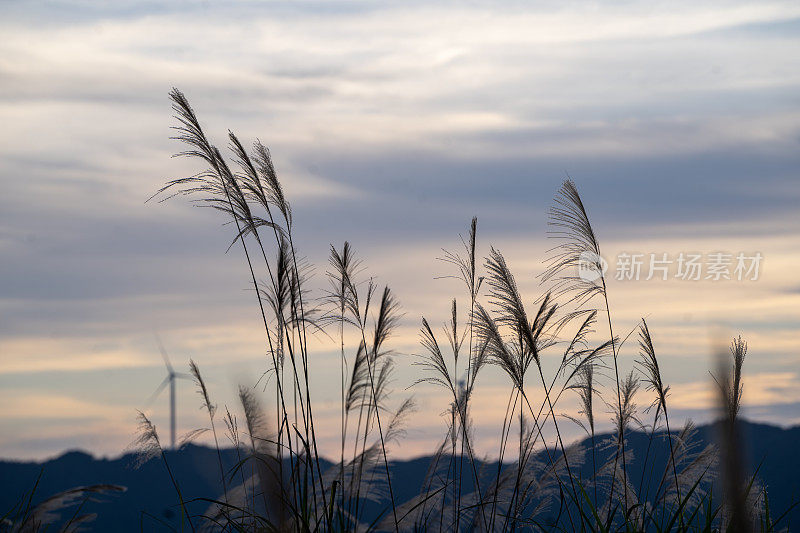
[(540, 483)]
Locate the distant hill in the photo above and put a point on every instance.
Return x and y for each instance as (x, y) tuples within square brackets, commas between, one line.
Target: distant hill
[(150, 494)]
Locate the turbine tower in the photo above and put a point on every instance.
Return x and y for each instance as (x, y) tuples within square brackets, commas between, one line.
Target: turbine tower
[(169, 380)]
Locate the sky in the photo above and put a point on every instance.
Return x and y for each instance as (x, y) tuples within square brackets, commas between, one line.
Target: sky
[(391, 126)]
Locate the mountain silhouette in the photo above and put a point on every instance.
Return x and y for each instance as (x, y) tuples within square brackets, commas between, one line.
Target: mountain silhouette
[(150, 502)]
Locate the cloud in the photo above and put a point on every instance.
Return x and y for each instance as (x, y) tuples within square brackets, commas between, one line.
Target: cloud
[(391, 126)]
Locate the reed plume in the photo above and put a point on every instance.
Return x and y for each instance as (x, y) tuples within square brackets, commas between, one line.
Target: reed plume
[(494, 327), (576, 271)]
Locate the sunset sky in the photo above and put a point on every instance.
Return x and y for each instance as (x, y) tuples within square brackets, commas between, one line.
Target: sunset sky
[(391, 126)]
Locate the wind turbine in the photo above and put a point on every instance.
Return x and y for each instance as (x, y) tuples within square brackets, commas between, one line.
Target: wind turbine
[(169, 380)]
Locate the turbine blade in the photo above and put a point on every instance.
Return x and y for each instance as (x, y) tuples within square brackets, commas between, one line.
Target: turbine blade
[(164, 354), (182, 375), (156, 392)]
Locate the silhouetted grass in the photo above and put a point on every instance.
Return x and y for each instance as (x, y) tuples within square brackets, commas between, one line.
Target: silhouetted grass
[(278, 483), (538, 491)]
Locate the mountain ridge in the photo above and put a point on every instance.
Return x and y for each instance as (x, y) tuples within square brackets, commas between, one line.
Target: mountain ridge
[(150, 497)]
